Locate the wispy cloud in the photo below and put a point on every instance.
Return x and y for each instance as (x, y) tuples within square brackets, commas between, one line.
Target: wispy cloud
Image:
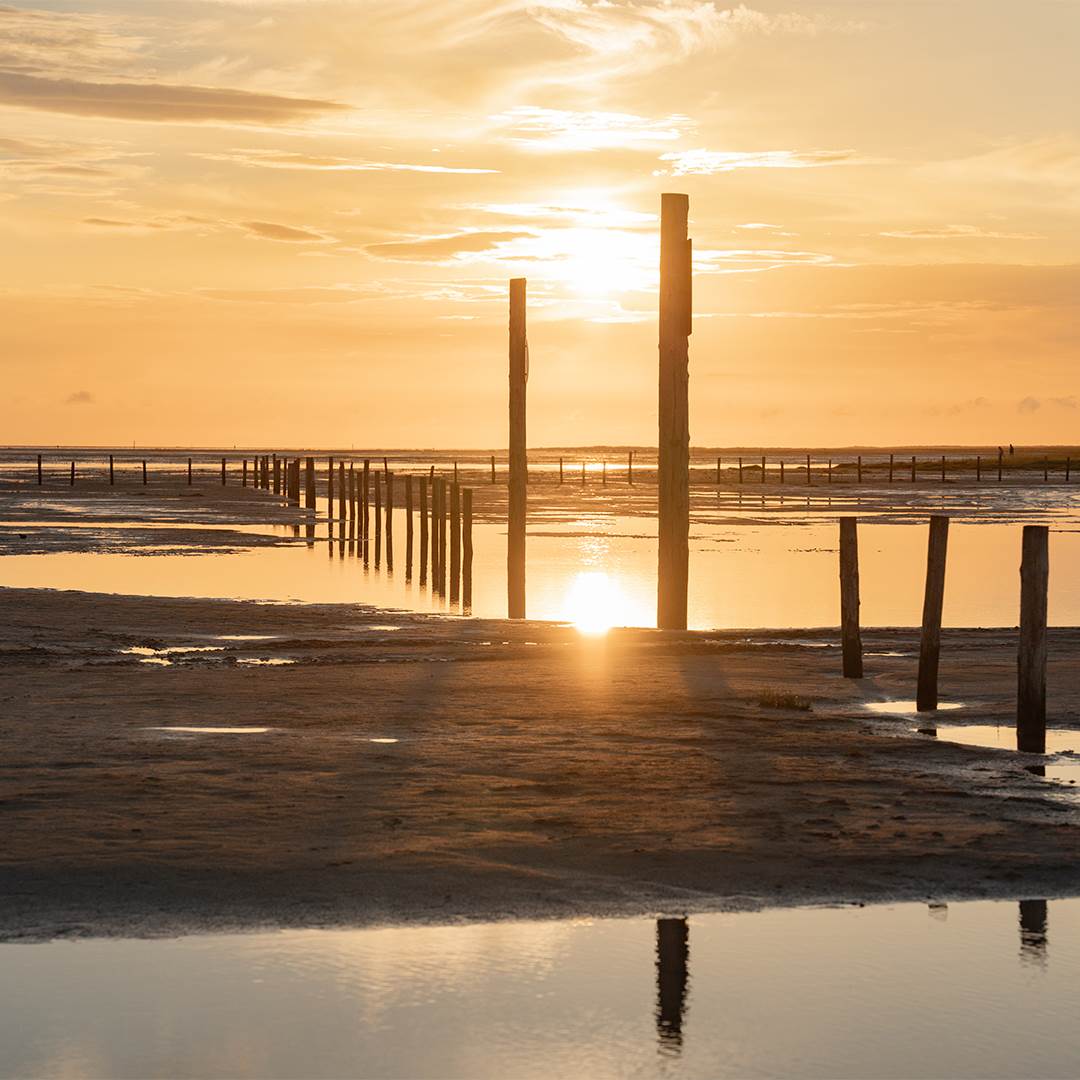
[(706, 162), (288, 159), (159, 102), (445, 246), (957, 232), (744, 260), (565, 129), (271, 230)]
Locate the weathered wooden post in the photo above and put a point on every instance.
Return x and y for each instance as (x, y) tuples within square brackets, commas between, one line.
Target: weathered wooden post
[(330, 488), (781, 472), (40, 477), (1001, 461), (630, 468), (385, 465), (943, 468), (423, 529), (763, 468), (223, 472), (926, 698), (740, 471), (365, 500), (913, 468), (978, 468), (850, 635), (377, 478), (352, 500), (455, 472), (72, 473), (515, 532), (342, 495), (829, 471), (431, 477), (144, 472), (1031, 657), (408, 526), (717, 472), (189, 472), (309, 484), (672, 977), (560, 471), (436, 517), (389, 521), (808, 469), (466, 549), (243, 473), (673, 466), (858, 468), (111, 476), (583, 474), (455, 542), (444, 508), (603, 473), (277, 475), (890, 468), (493, 468)]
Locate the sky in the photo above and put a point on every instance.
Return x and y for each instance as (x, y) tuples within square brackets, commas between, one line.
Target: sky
[(292, 222)]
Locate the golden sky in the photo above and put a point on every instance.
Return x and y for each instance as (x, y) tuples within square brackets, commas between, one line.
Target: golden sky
[(289, 222)]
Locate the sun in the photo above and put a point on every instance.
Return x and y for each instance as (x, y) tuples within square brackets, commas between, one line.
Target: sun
[(594, 603)]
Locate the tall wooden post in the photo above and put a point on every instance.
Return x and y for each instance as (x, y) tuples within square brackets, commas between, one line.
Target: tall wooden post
[(378, 517), (365, 503), (673, 467), (423, 528), (672, 978), (1031, 657), (444, 508), (519, 375), (277, 475), (466, 549), (342, 495), (389, 521), (850, 635), (455, 542), (309, 483), (926, 698), (890, 468), (352, 501), (408, 527), (330, 487), (913, 468)]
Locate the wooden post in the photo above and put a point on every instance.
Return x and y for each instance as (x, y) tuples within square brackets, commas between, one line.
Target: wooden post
[(943, 468), (515, 532), (455, 542), (423, 529), (560, 471), (408, 526), (431, 477), (583, 474), (385, 465), (365, 501), (466, 549), (740, 471), (673, 466), (455, 473), (111, 475), (850, 636), (73, 474), (717, 472), (933, 601), (1001, 455), (243, 474), (890, 468), (493, 468), (978, 468), (913, 468), (389, 521), (763, 468), (277, 475), (40, 478), (223, 472), (144, 472), (436, 515), (342, 494), (352, 501), (808, 469), (443, 510), (781, 472), (630, 468), (309, 484), (330, 488), (377, 477), (1046, 470), (603, 473), (859, 468), (672, 978), (1031, 658), (189, 472)]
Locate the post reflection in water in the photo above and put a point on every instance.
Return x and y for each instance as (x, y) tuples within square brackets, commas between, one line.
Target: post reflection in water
[(672, 976), (1033, 940)]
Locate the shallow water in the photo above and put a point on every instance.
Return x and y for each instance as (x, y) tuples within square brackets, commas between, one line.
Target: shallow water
[(977, 989), (599, 570)]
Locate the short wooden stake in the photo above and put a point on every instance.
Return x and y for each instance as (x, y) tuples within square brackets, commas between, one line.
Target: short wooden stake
[(73, 474), (111, 475), (40, 477), (1031, 657), (850, 635), (144, 472), (890, 468), (933, 601), (243, 473), (189, 472), (493, 468), (1001, 462)]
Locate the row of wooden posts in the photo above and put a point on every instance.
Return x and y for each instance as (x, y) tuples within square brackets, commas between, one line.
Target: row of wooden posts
[(1032, 651)]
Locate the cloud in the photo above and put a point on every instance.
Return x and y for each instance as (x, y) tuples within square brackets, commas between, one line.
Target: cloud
[(446, 246), (706, 162), (160, 102), (742, 260), (587, 211), (80, 397), (271, 230), (565, 129), (287, 159), (957, 232)]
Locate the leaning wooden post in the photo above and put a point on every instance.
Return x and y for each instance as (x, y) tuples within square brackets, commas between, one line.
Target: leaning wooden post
[(40, 478), (111, 475), (466, 549), (850, 636), (309, 484), (519, 375), (423, 528), (673, 466), (1031, 658), (926, 698), (455, 542), (189, 472)]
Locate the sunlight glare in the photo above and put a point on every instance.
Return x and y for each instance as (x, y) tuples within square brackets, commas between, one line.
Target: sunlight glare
[(594, 603)]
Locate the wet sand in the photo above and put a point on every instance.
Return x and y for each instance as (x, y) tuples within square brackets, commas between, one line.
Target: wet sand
[(536, 772)]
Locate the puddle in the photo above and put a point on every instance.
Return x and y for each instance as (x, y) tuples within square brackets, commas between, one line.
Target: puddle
[(383, 740), (187, 729), (264, 661), (907, 708), (985, 989), (1004, 738)]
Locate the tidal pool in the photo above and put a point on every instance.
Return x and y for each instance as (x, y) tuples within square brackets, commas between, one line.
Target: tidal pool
[(986, 989)]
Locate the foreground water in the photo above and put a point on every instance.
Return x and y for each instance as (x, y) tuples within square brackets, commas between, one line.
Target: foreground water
[(982, 989), (599, 569)]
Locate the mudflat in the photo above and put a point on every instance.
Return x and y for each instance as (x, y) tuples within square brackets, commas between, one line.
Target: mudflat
[(533, 771)]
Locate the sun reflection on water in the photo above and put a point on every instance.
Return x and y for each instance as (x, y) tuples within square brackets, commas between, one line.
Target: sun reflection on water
[(595, 602)]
